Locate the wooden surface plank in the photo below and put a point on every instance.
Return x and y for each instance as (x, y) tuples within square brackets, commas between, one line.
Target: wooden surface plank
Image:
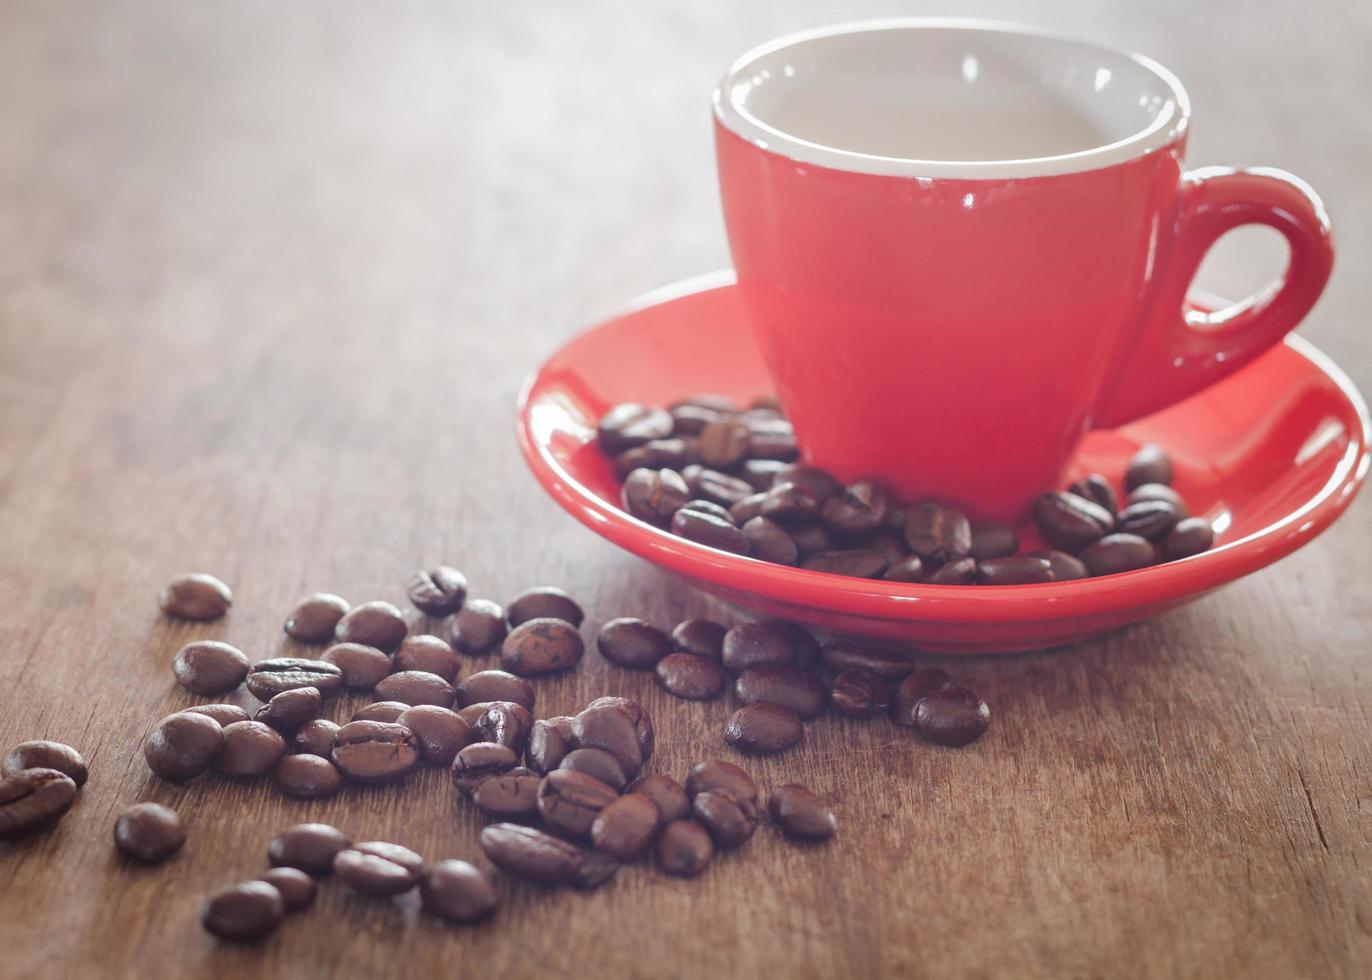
[(270, 277)]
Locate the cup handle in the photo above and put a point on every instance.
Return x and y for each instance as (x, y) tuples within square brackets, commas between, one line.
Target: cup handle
[(1181, 350)]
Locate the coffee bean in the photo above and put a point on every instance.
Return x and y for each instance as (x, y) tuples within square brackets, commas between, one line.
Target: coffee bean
[(886, 664), (710, 530), (1065, 567), (476, 763), (415, 687), (703, 637), (612, 729), (182, 746), (632, 643), (1190, 537), (937, 534), (716, 487), (767, 540), (209, 667), (316, 738), (46, 755), (250, 749), (729, 820), (502, 722), (763, 728), (360, 667), (791, 687), (1160, 491), (225, 714), (758, 644), (632, 424), (1151, 519), (541, 646), (688, 676), (245, 912), (388, 711), (1149, 465), (441, 733), (32, 799), (268, 678), (858, 510), (1016, 570), (309, 847), (684, 848), (568, 801), (760, 473), (814, 481), (665, 792), (924, 681), (643, 724), (910, 569), (710, 508), (375, 751), (457, 891), (654, 495), (853, 562), (307, 776), (801, 813), (959, 571), (315, 617), (378, 869), (747, 509), (790, 504), (531, 854), (659, 454), (430, 654), (598, 764), (297, 888), (1117, 553), (951, 716), (373, 624), (992, 540), (769, 445), (859, 693), (550, 740), (724, 443), (198, 596), (290, 709), (626, 827), (479, 627), (438, 591), (720, 776), (887, 545), (508, 796), (1098, 490), (1069, 522), (713, 406)]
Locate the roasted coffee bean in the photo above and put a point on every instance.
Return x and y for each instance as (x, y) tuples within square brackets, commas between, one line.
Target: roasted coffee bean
[(1069, 522), (886, 545), (716, 487), (801, 813), (430, 654), (32, 799), (703, 637), (886, 664), (773, 445), (297, 888), (415, 687), (375, 751), (724, 443), (182, 746), (209, 667), (1190, 537), (659, 454), (763, 643), (688, 676), (747, 509), (316, 738), (760, 473), (508, 796), (599, 764), (924, 681), (811, 539), (721, 776), (959, 571), (373, 624), (666, 793), (1117, 553), (710, 530), (476, 763), (910, 569), (853, 562), (684, 848), (1149, 465), (654, 495), (250, 749), (268, 678), (378, 869), (859, 510), (568, 801), (1098, 490), (791, 687), (643, 724), (631, 424), (937, 534), (307, 776), (767, 540), (541, 646), (612, 729), (814, 481), (245, 912), (1065, 567), (441, 733), (993, 540), (1160, 491), (457, 891), (550, 740), (46, 755), (762, 728), (310, 847), (198, 596), (502, 722), (290, 709), (1151, 519), (951, 716), (361, 667), (632, 643), (596, 868), (315, 617), (729, 820), (225, 714), (1016, 570), (718, 405), (859, 693), (388, 711), (479, 627), (790, 504), (626, 827), (438, 591), (531, 854)]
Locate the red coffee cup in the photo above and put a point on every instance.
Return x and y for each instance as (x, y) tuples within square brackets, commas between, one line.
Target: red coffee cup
[(963, 245)]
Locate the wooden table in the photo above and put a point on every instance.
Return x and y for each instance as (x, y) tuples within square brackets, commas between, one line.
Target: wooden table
[(270, 277)]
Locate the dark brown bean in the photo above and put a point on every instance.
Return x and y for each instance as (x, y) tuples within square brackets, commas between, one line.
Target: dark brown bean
[(632, 643), (183, 746), (716, 487), (479, 627), (703, 637), (316, 738), (438, 591), (1069, 522), (888, 546), (388, 711), (598, 764), (1065, 567), (476, 763), (721, 776), (777, 445), (859, 693), (1190, 537), (643, 724), (1015, 570), (457, 891), (502, 722), (415, 687), (654, 495), (197, 596), (508, 796), (290, 709), (46, 755), (659, 454), (763, 643), (666, 793), (811, 538), (245, 912), (1160, 491), (568, 801), (887, 664), (626, 827), (250, 749), (814, 481), (631, 424), (315, 617), (225, 714), (307, 776), (1098, 490), (361, 667), (209, 667), (763, 728), (32, 799), (793, 688), (991, 539), (375, 751), (541, 646), (684, 848), (910, 569), (767, 540), (441, 733), (431, 654), (378, 868), (297, 888), (854, 562), (790, 504), (937, 534), (373, 624), (959, 571), (924, 681), (711, 508), (1149, 465), (1151, 519), (1117, 553), (709, 529), (268, 678), (724, 443), (746, 509), (688, 676), (801, 813), (951, 716), (729, 820), (550, 740), (310, 847), (760, 473), (859, 510), (531, 854), (611, 728)]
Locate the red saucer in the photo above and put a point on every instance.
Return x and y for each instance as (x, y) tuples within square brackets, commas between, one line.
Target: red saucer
[(1272, 456)]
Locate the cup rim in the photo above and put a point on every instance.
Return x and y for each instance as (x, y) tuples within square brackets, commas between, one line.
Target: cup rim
[(1165, 129)]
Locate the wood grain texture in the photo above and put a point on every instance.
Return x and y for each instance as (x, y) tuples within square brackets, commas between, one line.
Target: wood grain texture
[(270, 277)]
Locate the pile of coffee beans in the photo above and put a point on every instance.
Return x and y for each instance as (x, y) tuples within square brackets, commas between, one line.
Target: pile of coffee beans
[(38, 784), (728, 478)]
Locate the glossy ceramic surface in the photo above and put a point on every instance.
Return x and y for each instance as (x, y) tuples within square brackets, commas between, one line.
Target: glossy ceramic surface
[(1271, 456)]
